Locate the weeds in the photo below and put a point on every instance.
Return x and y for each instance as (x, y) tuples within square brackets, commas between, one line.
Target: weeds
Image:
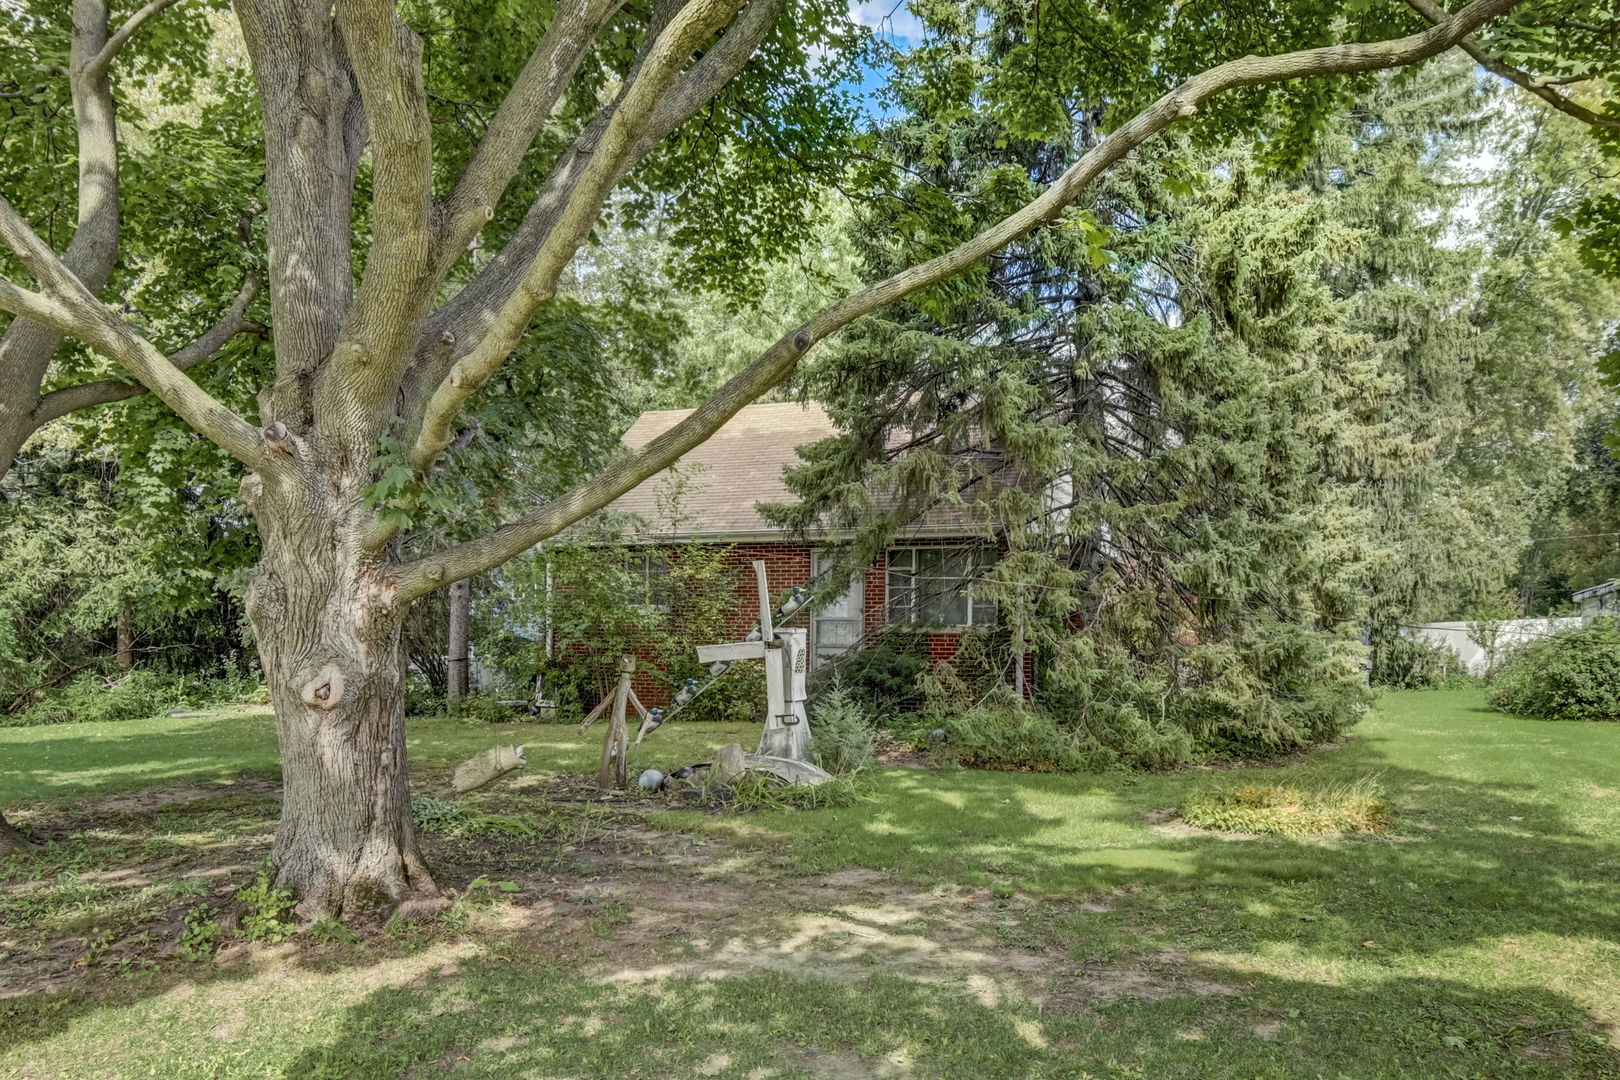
[(202, 936), (269, 909), (752, 791), (1291, 810)]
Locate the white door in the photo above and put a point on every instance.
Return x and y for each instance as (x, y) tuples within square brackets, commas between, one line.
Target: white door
[(836, 626)]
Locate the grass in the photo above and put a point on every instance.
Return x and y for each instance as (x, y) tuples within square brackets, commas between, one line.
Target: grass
[(64, 761), (950, 924)]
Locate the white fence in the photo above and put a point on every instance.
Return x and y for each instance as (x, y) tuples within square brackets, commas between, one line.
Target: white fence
[(1511, 633)]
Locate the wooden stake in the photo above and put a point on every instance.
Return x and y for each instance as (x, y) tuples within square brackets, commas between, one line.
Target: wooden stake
[(615, 767), (596, 713)]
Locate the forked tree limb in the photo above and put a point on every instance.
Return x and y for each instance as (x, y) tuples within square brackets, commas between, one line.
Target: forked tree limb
[(517, 122), (692, 25), (69, 399), (120, 37), (1437, 14), (458, 327), (27, 348), (421, 576), (380, 328), (68, 307)]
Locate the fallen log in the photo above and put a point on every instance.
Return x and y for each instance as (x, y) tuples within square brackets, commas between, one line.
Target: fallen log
[(487, 767)]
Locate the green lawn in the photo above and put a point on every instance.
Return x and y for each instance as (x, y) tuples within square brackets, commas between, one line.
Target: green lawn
[(68, 761), (953, 924)]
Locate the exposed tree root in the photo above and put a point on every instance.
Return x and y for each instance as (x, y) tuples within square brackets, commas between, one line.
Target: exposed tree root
[(13, 839)]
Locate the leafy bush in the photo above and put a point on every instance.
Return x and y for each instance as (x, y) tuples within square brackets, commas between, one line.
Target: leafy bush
[(737, 697), (1574, 675), (841, 734), (137, 695), (1288, 810), (92, 699), (487, 709), (886, 676), (1005, 736), (1410, 663)]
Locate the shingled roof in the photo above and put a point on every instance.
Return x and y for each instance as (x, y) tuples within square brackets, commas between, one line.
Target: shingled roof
[(740, 466)]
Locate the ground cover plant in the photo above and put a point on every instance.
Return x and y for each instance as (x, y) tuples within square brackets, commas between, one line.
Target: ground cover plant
[(1288, 810), (954, 923)]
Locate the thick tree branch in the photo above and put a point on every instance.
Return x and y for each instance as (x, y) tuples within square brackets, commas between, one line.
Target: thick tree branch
[(315, 131), (1437, 14), (778, 362), (27, 348), (98, 66), (456, 329), (353, 394), (68, 307), (518, 121), (69, 399), (631, 120), (467, 315)]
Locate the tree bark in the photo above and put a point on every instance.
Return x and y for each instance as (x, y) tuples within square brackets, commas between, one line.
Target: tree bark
[(12, 839), (329, 636), (456, 653), (126, 639)]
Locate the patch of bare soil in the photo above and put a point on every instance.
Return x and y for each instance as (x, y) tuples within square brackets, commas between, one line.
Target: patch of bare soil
[(150, 799), (592, 886), (641, 907)]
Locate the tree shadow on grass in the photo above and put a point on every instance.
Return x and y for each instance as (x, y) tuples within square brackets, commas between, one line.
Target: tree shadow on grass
[(497, 1019)]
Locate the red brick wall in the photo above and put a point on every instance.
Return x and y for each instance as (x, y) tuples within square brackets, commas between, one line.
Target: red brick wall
[(787, 565)]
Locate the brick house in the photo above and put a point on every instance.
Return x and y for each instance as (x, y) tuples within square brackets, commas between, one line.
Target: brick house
[(922, 579)]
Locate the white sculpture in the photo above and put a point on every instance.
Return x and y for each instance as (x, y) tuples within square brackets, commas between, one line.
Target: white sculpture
[(786, 653)]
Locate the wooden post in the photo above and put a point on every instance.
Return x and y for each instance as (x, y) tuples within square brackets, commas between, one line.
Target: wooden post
[(456, 651), (615, 767), (126, 639), (766, 631)]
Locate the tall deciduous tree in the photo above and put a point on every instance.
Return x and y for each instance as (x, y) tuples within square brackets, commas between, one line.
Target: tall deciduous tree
[(390, 356)]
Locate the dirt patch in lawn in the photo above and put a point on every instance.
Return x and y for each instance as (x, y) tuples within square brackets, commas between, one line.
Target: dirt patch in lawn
[(1167, 822), (589, 885)]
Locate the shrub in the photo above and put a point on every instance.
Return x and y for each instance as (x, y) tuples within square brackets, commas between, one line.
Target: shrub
[(1409, 663), (1005, 736), (141, 693), (1574, 675), (481, 708), (886, 676), (1288, 810), (841, 734), (92, 699)]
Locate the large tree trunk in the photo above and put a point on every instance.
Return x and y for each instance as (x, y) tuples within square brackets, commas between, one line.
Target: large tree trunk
[(329, 640)]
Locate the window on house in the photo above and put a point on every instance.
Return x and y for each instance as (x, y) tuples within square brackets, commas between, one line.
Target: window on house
[(655, 580), (933, 586)]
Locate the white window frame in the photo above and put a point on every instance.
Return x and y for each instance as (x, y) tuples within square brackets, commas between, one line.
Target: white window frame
[(980, 612)]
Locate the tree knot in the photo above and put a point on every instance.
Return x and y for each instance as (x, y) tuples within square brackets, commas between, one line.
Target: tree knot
[(325, 690)]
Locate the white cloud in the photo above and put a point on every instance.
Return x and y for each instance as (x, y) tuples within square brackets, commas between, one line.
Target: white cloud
[(890, 18)]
